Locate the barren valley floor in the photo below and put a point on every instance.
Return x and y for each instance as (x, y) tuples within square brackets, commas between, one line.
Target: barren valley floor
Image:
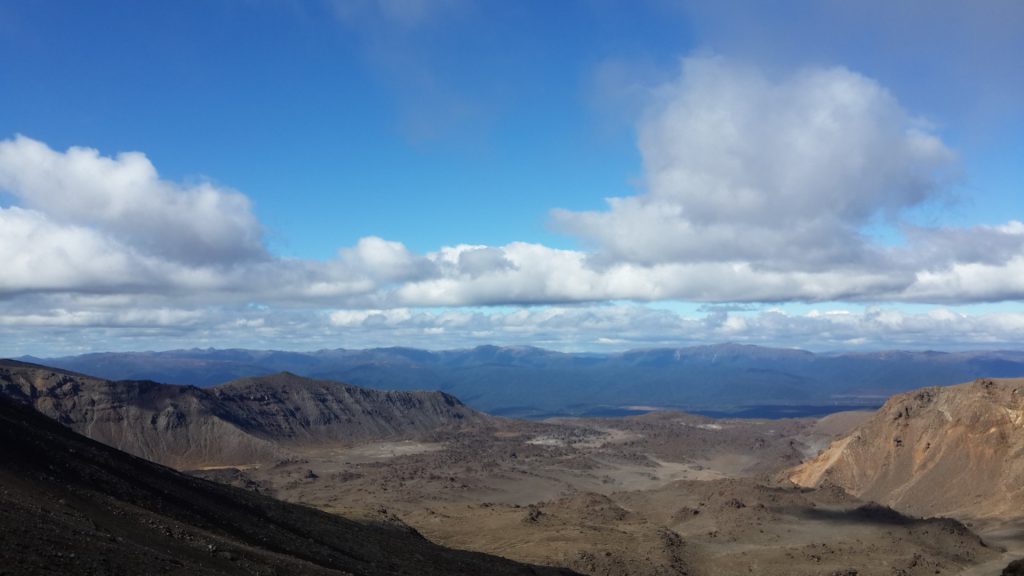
[(665, 493)]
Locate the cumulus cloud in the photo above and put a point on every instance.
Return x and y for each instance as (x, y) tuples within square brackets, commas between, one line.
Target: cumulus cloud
[(127, 199), (382, 259), (758, 188), (536, 274), (41, 255), (986, 245), (962, 59), (780, 172), (483, 260)]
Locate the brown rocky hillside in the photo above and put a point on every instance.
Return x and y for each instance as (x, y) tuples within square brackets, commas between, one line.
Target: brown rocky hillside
[(954, 451)]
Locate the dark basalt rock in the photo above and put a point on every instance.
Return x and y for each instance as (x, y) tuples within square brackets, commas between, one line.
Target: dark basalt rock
[(1015, 568)]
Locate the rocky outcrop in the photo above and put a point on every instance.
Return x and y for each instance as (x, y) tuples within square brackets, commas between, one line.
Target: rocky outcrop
[(1015, 568), (955, 451), (244, 422), (286, 408)]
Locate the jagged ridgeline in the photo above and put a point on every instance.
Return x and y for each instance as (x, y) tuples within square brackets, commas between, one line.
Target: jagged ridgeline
[(250, 420)]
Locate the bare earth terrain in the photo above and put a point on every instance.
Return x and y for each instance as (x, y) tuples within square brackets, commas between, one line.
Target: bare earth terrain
[(70, 505), (665, 493)]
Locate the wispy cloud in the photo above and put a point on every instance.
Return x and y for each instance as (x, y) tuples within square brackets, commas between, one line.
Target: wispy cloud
[(573, 328), (399, 40), (404, 13)]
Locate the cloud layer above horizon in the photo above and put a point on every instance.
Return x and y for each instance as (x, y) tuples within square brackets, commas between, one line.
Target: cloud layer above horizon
[(757, 188)]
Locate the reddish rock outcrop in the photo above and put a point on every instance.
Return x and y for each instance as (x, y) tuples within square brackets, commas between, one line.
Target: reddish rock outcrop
[(955, 451)]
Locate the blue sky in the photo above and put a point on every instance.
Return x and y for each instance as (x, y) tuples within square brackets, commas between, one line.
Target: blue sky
[(435, 173)]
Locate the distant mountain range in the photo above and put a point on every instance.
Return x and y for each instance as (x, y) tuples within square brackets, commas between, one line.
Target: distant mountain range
[(526, 381)]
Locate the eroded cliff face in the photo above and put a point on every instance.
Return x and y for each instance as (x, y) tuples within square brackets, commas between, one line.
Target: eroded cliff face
[(954, 451), (237, 424), (290, 409)]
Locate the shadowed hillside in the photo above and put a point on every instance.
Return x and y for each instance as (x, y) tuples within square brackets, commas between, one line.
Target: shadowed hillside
[(69, 505), (234, 424)]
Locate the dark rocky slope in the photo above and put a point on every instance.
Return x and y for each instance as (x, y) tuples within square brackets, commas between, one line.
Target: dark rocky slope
[(239, 423), (288, 408), (70, 505)]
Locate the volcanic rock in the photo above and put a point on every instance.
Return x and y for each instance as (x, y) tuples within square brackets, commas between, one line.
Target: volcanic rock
[(951, 451)]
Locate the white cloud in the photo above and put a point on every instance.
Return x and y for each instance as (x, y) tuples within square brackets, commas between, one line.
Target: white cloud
[(38, 254), (778, 172), (350, 318), (970, 282), (126, 198), (483, 260), (757, 189), (70, 325), (383, 260), (59, 317), (937, 247)]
